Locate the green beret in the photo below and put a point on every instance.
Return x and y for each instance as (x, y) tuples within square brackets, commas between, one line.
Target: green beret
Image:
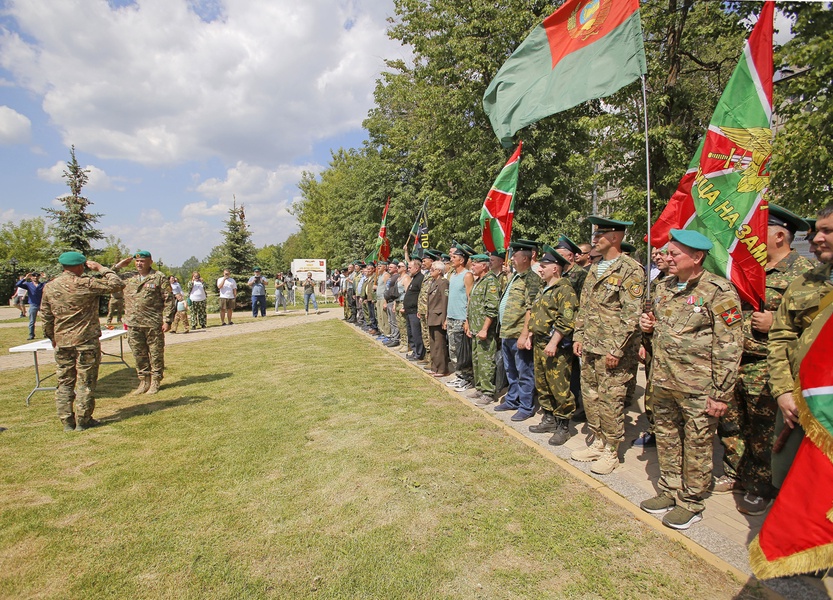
[(692, 239), (783, 218), (629, 248), (480, 258), (524, 245), (550, 255), (72, 259), (610, 224), (142, 254), (566, 243)]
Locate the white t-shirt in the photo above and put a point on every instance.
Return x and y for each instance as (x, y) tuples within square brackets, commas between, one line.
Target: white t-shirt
[(197, 291), (227, 289)]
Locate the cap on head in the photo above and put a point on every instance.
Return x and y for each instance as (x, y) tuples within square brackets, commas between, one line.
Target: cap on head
[(566, 243), (142, 254), (629, 248), (790, 221), (609, 224), (550, 255), (501, 254), (463, 250), (72, 259), (257, 269), (692, 239), (524, 245), (479, 258)]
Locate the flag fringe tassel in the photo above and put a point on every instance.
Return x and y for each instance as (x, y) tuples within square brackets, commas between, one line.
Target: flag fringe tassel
[(807, 561)]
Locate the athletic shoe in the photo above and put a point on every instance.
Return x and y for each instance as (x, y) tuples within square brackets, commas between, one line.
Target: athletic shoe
[(658, 505), (681, 518), (753, 505)]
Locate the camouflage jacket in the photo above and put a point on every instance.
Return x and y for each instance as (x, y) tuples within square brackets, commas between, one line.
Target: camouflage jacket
[(698, 336), (576, 276), (69, 307), (778, 278), (608, 316), (148, 301), (483, 303), (520, 293), (554, 310), (422, 302), (799, 306)]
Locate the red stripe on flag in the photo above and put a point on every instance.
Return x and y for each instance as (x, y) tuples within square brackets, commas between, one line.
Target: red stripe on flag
[(760, 46), (579, 23)]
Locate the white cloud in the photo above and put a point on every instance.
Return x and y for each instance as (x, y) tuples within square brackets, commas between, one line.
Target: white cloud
[(98, 179), (155, 82), (14, 127)]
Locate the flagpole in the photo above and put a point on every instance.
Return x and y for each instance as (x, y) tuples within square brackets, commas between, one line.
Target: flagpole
[(648, 188), (416, 221)]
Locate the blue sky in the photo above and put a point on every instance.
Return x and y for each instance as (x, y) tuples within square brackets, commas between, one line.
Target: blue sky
[(177, 106)]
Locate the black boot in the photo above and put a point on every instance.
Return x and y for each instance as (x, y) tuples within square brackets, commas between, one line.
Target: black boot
[(547, 424), (561, 434)]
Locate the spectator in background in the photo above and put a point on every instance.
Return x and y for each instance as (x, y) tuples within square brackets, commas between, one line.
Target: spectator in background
[(181, 315), (290, 288), (258, 284), (227, 287), (280, 290), (309, 293), (34, 286), (176, 288), (19, 300), (197, 296)]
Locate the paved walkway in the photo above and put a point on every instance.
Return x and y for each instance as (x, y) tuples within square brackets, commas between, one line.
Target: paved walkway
[(720, 538)]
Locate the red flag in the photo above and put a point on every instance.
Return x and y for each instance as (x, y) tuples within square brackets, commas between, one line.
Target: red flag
[(499, 207), (382, 250)]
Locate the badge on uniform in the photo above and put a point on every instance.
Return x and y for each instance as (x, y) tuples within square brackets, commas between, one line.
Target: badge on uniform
[(151, 286), (636, 290), (732, 316)]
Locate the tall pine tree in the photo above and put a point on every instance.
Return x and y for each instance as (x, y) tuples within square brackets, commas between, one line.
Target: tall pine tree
[(74, 227), (237, 251)]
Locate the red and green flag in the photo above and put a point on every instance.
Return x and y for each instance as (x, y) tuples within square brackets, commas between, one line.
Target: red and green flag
[(499, 207), (382, 249), (584, 50), (797, 535), (722, 194)]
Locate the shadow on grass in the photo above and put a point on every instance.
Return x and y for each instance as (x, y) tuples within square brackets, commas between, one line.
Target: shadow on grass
[(196, 379), (146, 408)]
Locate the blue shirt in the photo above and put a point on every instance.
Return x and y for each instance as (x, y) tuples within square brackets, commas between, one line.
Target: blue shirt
[(35, 291)]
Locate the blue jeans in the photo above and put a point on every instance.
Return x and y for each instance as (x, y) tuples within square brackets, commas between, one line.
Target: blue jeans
[(33, 314), (520, 375), (259, 301), (307, 298)]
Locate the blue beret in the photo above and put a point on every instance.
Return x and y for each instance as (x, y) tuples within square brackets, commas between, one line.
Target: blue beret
[(692, 239)]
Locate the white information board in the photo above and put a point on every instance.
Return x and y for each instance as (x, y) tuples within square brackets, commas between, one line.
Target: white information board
[(317, 266)]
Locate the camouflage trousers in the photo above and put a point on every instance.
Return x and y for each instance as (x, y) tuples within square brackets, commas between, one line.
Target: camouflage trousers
[(148, 347), (402, 321), (483, 363), (115, 308), (605, 392), (197, 310), (382, 317), (649, 391), (729, 428), (426, 339), (77, 374), (758, 432), (456, 333), (180, 317), (685, 438), (552, 380)]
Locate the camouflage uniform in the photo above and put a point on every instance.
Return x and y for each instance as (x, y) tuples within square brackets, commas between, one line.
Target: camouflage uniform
[(747, 431), (554, 310), (483, 304), (148, 301), (115, 307), (697, 342), (791, 326), (520, 293), (646, 343), (607, 323), (69, 310), (422, 310), (576, 275)]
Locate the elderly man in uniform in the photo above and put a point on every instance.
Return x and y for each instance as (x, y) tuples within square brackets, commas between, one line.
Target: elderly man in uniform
[(428, 258), (69, 309), (696, 328), (552, 324), (514, 313), (149, 311), (807, 296), (481, 328), (748, 431), (607, 341)]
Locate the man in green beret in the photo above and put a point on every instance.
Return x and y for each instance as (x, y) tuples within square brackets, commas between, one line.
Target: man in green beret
[(696, 330), (69, 309), (576, 275), (552, 324), (481, 328), (607, 340), (747, 430), (150, 307)]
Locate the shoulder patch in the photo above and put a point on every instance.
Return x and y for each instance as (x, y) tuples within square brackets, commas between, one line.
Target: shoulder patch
[(732, 316), (568, 313), (636, 289)]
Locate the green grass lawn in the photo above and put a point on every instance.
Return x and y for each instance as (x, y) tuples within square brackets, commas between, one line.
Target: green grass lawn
[(307, 462)]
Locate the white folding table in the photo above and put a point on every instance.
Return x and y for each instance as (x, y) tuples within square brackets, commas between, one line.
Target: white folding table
[(46, 346)]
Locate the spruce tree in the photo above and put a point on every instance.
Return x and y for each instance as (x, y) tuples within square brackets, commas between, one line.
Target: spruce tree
[(238, 251), (74, 227)]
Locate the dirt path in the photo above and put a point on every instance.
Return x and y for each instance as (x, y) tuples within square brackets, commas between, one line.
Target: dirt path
[(214, 330)]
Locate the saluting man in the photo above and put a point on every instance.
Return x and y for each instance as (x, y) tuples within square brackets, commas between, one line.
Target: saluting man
[(69, 309), (696, 328), (150, 307)]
